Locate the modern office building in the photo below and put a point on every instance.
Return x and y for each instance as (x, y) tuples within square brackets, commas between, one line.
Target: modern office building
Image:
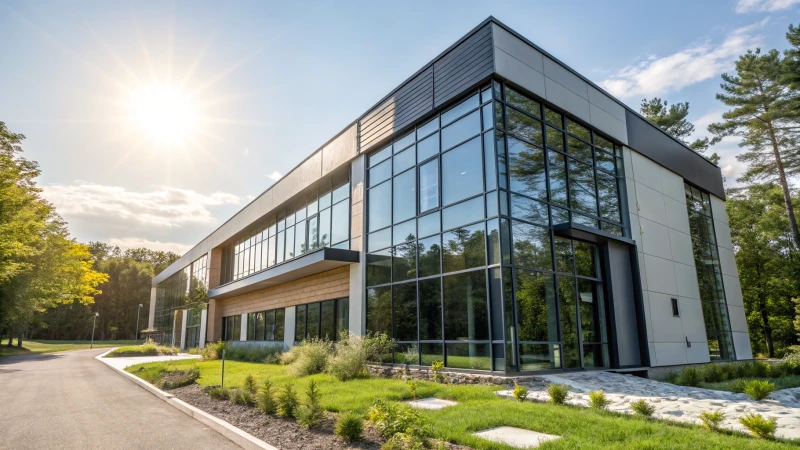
[(496, 211)]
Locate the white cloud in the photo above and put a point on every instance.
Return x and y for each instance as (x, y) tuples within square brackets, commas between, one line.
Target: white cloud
[(746, 6), (727, 148), (165, 207), (658, 75), (274, 176), (134, 242)]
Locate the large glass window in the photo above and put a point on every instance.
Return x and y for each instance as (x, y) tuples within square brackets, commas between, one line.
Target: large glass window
[(462, 172), (322, 320), (709, 274), (173, 296), (266, 325)]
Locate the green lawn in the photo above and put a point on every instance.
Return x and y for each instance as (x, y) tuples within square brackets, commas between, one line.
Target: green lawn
[(36, 347), (789, 381), (479, 408)]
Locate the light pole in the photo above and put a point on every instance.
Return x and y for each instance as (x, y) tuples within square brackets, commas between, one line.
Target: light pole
[(137, 322), (93, 322)]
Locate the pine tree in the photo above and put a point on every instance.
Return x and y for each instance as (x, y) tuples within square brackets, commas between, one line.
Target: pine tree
[(759, 115), (672, 119)]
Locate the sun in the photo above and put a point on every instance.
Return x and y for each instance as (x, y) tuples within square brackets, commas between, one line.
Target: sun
[(164, 114)]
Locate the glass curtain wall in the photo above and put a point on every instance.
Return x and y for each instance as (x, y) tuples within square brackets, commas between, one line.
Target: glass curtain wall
[(174, 293), (709, 274), (322, 320), (466, 188), (320, 219)]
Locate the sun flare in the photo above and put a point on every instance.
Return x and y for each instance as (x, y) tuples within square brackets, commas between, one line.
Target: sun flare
[(164, 114)]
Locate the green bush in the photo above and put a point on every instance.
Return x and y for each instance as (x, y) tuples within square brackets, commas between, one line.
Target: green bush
[(520, 392), (437, 367), (379, 347), (255, 354), (728, 370), (250, 384), (405, 441), (738, 385), (690, 377), (213, 351), (149, 348), (287, 402), (242, 397), (759, 389), (218, 393), (598, 400), (413, 385), (350, 427), (643, 408), (353, 352), (308, 358), (391, 419), (311, 412), (712, 420), (672, 377), (179, 378), (558, 393), (713, 373), (265, 399), (759, 425)]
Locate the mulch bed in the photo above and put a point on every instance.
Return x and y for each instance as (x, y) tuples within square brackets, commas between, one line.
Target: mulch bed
[(283, 433)]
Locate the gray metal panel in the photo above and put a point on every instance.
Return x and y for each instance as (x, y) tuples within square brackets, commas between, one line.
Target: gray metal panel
[(564, 77), (624, 305), (341, 150), (653, 143), (566, 99), (608, 124), (464, 66)]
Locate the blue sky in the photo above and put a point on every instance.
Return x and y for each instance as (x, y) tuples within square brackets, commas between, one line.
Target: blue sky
[(271, 81)]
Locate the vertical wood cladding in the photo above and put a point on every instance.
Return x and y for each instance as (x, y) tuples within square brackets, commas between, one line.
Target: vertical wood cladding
[(322, 286), (459, 69)]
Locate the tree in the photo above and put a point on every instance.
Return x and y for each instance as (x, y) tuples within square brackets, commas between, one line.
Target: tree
[(766, 262), (672, 119), (757, 96)]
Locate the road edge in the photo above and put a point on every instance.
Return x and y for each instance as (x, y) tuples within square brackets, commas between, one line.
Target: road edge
[(236, 435)]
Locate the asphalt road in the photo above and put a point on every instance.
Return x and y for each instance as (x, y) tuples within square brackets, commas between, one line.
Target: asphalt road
[(72, 401)]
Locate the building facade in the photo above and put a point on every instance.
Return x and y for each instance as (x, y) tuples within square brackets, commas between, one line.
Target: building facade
[(497, 211)]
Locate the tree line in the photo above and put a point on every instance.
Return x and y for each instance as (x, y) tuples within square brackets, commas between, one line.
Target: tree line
[(763, 100)]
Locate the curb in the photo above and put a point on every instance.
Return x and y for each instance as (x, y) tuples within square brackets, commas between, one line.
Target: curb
[(235, 435)]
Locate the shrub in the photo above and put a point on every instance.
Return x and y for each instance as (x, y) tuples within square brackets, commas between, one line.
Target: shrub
[(308, 358), (412, 384), (149, 348), (404, 441), (729, 371), (558, 393), (759, 425), (712, 420), (738, 385), (250, 384), (759, 389), (760, 369), (311, 412), (391, 419), (672, 377), (379, 347), (242, 397), (598, 400), (287, 401), (350, 427), (778, 370), (353, 352), (712, 373), (219, 393), (266, 398), (792, 360), (643, 408), (213, 351), (690, 377), (179, 378), (437, 367), (520, 392)]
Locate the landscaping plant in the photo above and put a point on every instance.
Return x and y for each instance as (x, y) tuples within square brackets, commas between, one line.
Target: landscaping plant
[(520, 392), (353, 352), (308, 358), (759, 389), (712, 420), (759, 425), (390, 419), (242, 397), (437, 367), (712, 373), (558, 393), (250, 384), (310, 413), (738, 385), (350, 427), (598, 400), (149, 348), (287, 401), (179, 378), (412, 384), (219, 393), (690, 377), (643, 408), (266, 398)]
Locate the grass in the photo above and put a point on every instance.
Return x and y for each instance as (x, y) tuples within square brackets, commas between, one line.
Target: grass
[(478, 409), (38, 347), (147, 349), (789, 381)]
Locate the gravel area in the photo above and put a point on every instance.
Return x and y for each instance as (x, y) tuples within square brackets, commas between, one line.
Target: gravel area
[(672, 402)]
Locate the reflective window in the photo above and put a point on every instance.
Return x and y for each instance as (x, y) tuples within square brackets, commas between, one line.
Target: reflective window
[(526, 169), (463, 248), (462, 172), (428, 147), (461, 130), (429, 186), (430, 251), (465, 308), (379, 310), (404, 196), (404, 305), (380, 206)]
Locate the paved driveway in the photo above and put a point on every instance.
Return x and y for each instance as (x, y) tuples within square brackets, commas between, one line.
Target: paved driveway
[(71, 401)]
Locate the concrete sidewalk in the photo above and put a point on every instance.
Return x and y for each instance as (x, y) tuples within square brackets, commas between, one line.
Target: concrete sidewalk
[(122, 363)]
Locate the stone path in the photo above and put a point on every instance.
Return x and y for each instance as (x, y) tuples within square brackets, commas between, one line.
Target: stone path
[(681, 403)]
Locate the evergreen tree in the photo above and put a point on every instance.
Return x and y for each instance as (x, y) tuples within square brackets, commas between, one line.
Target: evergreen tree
[(757, 96), (672, 119)]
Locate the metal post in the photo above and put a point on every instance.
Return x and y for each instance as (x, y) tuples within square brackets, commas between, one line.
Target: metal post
[(138, 311), (223, 368), (94, 321)]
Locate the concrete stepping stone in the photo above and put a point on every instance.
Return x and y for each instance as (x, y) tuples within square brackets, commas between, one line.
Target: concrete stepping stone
[(516, 437), (431, 403)]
